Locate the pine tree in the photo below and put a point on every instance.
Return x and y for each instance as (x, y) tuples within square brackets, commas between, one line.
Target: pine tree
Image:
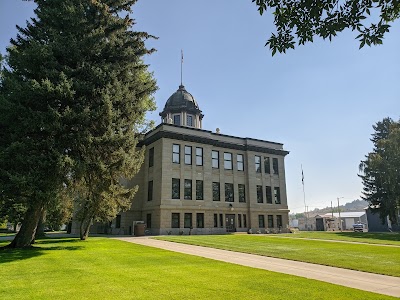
[(75, 95), (381, 171)]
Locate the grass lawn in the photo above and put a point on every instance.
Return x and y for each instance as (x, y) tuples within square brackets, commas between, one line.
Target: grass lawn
[(389, 238), (102, 268), (6, 234), (370, 258)]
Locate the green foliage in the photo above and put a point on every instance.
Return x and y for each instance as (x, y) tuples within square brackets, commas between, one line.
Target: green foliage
[(73, 100), (111, 269), (381, 170), (301, 21)]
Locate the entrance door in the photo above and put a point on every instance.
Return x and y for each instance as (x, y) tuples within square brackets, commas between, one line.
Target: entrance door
[(230, 223)]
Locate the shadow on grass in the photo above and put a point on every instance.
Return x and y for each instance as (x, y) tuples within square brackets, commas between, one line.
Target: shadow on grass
[(9, 255), (392, 236)]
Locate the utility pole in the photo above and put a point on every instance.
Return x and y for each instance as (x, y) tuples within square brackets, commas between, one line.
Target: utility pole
[(338, 207), (332, 209)]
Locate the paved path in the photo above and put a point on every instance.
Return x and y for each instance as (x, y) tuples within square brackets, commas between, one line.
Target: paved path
[(386, 285)]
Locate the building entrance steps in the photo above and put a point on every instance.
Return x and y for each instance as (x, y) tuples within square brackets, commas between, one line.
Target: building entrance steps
[(381, 284)]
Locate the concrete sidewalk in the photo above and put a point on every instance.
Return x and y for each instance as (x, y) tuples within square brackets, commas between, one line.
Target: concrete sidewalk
[(381, 284)]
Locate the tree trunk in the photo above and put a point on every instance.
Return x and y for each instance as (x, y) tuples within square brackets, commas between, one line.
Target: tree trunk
[(26, 234), (84, 228), (40, 228)]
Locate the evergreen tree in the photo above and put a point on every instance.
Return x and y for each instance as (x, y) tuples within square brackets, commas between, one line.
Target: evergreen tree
[(75, 94), (381, 171)]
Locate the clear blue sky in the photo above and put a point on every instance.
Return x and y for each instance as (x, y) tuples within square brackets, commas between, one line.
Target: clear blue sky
[(319, 100)]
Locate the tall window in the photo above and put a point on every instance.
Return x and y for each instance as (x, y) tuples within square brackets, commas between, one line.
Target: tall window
[(267, 165), (244, 221), (188, 220), (242, 193), (277, 195), (148, 220), (177, 119), (188, 189), (150, 191), (118, 222), (189, 120), (151, 157), (240, 166), (199, 156), (215, 220), (269, 194), (199, 190), (221, 220), (257, 161), (176, 149), (216, 191), (275, 165), (261, 221), (215, 159), (259, 194), (227, 161), (200, 220), (279, 221), (270, 221), (188, 155), (176, 188), (229, 192), (175, 220), (240, 220)]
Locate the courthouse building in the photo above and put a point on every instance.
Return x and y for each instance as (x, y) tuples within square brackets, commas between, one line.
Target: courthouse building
[(195, 181)]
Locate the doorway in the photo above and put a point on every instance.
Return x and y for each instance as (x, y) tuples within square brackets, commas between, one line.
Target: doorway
[(230, 223)]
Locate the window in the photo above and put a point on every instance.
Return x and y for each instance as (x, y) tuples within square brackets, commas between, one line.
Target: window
[(221, 220), (189, 120), (227, 161), (188, 189), (242, 193), (269, 194), (244, 221), (215, 159), (176, 149), (188, 220), (277, 195), (267, 165), (148, 220), (176, 188), (199, 190), (188, 155), (257, 160), (177, 119), (199, 156), (270, 221), (200, 220), (118, 222), (215, 220), (216, 191), (229, 192), (259, 194), (150, 191), (275, 166), (240, 220), (240, 166), (279, 221), (175, 220), (151, 157), (261, 221)]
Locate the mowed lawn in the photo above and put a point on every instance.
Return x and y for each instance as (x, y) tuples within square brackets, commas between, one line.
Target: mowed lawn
[(102, 268), (363, 257)]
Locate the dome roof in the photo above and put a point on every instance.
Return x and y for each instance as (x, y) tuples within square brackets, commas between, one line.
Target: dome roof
[(181, 99)]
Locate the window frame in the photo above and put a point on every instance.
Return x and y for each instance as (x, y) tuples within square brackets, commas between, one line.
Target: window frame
[(178, 116), (257, 163), (228, 163), (279, 221), (215, 159), (175, 223), (227, 194), (176, 155), (187, 189), (277, 195), (148, 218), (270, 221), (260, 194), (151, 157), (199, 190), (267, 165), (188, 155), (275, 166), (199, 220), (242, 195), (268, 192), (199, 157), (240, 162), (187, 120), (177, 194), (150, 190), (216, 184), (261, 221), (188, 217)]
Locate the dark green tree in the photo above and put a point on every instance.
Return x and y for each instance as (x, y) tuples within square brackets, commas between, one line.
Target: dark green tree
[(75, 94), (301, 21), (381, 171)]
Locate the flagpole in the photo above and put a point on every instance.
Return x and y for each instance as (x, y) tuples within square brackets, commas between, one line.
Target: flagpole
[(181, 65), (304, 197)]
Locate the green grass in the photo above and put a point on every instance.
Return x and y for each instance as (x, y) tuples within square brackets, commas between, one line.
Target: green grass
[(6, 234), (369, 258), (389, 238), (103, 268)]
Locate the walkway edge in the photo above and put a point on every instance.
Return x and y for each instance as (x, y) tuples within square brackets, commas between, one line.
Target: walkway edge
[(381, 284)]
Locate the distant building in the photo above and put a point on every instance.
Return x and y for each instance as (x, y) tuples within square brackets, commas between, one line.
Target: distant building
[(195, 181), (334, 222)]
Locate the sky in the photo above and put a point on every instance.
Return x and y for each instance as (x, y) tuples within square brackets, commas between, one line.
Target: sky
[(320, 100)]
